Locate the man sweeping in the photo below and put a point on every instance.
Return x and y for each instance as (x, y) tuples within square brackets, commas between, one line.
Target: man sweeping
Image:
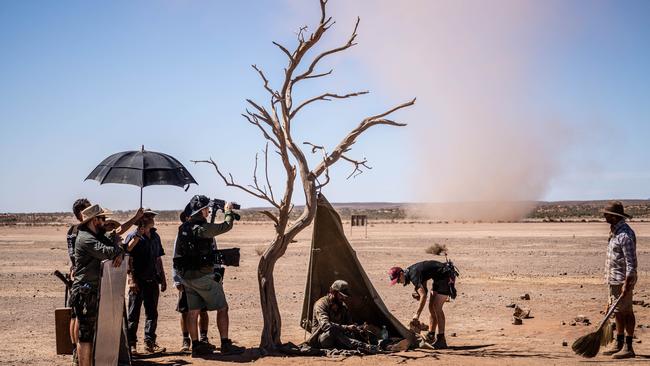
[(621, 266), (443, 277)]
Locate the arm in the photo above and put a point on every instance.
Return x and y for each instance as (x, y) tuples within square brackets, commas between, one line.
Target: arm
[(629, 252), (208, 230), (161, 272), (422, 291), (127, 225)]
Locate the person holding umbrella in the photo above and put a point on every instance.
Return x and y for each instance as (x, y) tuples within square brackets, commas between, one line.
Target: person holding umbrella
[(146, 280)]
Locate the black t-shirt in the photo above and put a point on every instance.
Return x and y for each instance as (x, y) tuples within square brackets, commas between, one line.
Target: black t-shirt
[(145, 255), (419, 273)]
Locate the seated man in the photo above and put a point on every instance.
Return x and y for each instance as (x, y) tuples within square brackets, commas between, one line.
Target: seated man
[(332, 326)]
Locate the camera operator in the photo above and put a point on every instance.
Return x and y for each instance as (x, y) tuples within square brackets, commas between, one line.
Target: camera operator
[(195, 265)]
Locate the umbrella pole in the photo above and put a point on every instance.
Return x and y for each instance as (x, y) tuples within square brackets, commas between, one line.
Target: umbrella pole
[(140, 196)]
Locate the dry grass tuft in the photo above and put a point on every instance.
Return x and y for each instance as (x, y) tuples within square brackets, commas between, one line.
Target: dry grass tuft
[(437, 249), (260, 250)]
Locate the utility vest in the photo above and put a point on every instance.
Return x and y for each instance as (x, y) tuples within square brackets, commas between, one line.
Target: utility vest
[(193, 252)]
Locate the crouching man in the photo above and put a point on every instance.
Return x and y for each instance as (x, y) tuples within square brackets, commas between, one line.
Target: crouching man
[(332, 325), (194, 263), (91, 248)]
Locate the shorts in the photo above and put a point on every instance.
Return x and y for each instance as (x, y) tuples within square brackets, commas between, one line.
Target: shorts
[(182, 306), (84, 308), (444, 286), (204, 292), (625, 305)]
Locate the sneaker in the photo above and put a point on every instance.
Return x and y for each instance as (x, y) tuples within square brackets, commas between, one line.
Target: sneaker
[(200, 348), (227, 348), (615, 348), (440, 343), (75, 359), (152, 347), (627, 352), (187, 343)]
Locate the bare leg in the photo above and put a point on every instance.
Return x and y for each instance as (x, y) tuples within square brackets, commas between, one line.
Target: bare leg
[(74, 331), (184, 322), (223, 322), (433, 321), (630, 323), (191, 321), (204, 321), (438, 301), (85, 353), (620, 323)]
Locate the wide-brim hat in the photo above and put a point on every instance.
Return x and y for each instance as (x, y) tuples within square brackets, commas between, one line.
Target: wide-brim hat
[(198, 203), (94, 211), (393, 274), (341, 287), (616, 208), (150, 212)]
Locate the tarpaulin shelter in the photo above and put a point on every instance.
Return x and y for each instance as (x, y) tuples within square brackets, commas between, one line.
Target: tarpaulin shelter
[(332, 258)]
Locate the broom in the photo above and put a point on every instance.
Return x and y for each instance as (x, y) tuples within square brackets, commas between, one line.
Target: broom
[(589, 345)]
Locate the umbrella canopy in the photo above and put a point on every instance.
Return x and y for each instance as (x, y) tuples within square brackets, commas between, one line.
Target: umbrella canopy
[(142, 168)]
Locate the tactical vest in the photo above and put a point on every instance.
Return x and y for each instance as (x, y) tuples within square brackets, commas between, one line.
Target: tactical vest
[(193, 252)]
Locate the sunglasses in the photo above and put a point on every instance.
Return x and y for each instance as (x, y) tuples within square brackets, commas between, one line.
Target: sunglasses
[(102, 218)]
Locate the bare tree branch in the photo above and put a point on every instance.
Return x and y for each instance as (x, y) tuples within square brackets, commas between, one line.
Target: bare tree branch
[(314, 148), (327, 97), (314, 76), (351, 138), (357, 166), (270, 216), (254, 120), (266, 81), (266, 170), (313, 64), (284, 49), (231, 183)]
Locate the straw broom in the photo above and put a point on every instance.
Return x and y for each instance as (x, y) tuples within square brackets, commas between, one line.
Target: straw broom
[(589, 345)]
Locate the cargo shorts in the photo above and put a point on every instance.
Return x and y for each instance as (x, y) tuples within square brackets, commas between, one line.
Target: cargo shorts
[(84, 305), (204, 292), (625, 305)]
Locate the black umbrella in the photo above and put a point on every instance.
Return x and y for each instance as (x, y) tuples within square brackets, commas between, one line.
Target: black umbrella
[(142, 168)]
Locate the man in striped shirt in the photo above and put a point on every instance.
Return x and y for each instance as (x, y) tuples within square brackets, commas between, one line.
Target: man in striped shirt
[(621, 275)]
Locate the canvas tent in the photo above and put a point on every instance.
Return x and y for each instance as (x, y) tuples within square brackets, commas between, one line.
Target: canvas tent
[(332, 258)]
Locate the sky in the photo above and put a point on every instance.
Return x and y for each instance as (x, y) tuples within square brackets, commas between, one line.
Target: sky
[(517, 100)]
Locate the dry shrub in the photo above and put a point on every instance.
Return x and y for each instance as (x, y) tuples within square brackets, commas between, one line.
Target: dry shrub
[(437, 249), (260, 250)]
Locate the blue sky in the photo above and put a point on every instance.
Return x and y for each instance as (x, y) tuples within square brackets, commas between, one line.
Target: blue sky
[(81, 80)]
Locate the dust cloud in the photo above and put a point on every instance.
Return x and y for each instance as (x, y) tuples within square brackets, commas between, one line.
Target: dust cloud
[(484, 143)]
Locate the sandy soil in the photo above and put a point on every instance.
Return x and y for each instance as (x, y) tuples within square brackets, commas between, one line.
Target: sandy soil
[(559, 264)]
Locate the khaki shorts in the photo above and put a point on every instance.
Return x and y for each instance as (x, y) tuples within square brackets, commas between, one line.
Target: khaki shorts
[(625, 305), (204, 292)]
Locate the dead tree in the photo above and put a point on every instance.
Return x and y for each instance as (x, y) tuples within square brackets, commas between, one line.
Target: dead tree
[(274, 120)]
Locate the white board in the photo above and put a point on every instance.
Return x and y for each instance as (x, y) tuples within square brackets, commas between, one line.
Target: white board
[(109, 316)]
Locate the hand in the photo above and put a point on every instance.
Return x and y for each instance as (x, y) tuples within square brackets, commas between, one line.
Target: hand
[(139, 213), (133, 287), (179, 287), (118, 261), (163, 285), (227, 207), (140, 232)]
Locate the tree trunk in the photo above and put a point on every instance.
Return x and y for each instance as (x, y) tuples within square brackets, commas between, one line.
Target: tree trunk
[(271, 332)]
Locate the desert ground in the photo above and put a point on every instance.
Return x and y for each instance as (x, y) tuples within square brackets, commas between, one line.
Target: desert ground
[(559, 264)]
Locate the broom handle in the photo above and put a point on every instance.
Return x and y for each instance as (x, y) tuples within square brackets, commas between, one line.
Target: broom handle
[(609, 312)]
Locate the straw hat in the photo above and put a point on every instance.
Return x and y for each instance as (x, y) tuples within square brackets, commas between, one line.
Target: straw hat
[(92, 212), (616, 208), (149, 212)]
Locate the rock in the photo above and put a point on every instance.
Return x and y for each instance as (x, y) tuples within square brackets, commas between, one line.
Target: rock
[(517, 321), (452, 335), (521, 313), (573, 323), (580, 286), (638, 341), (525, 297), (563, 322), (638, 302), (565, 344), (582, 320), (511, 305)]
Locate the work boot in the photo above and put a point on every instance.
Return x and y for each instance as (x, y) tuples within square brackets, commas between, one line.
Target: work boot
[(430, 337), (441, 342), (187, 343), (206, 340), (614, 348), (227, 348), (200, 348), (626, 352), (152, 347)]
